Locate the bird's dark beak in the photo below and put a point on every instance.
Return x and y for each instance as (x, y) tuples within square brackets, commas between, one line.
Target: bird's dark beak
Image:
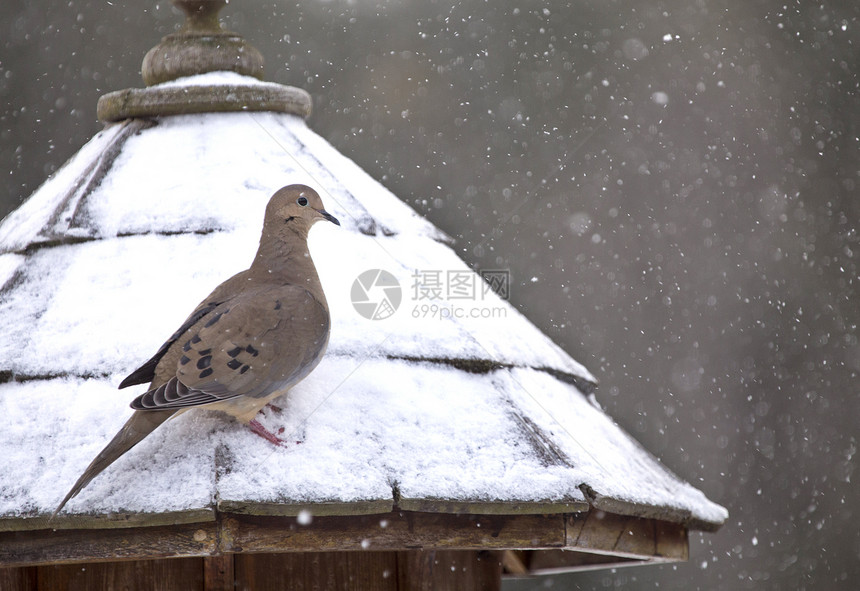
[(328, 216)]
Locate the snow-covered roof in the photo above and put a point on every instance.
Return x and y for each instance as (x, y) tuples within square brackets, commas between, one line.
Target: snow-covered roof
[(429, 409)]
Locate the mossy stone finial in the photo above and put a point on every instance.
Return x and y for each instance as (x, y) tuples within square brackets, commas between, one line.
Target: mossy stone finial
[(200, 46)]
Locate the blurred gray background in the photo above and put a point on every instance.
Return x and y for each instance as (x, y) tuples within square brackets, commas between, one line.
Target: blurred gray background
[(673, 186)]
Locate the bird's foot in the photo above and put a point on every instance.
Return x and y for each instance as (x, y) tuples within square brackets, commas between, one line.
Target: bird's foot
[(259, 429)]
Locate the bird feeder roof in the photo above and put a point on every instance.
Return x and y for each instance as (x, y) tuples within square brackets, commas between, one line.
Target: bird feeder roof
[(419, 411)]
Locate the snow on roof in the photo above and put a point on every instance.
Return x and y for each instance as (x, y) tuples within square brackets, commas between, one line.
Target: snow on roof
[(106, 259)]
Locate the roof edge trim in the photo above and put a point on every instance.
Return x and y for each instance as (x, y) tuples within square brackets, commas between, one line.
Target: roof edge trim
[(619, 506), (168, 100)]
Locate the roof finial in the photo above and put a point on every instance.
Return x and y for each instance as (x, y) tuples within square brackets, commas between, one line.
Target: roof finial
[(200, 46)]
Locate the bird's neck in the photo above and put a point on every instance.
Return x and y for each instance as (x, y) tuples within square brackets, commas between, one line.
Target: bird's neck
[(287, 262)]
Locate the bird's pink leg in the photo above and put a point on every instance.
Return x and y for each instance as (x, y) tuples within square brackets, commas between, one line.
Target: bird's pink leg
[(260, 430)]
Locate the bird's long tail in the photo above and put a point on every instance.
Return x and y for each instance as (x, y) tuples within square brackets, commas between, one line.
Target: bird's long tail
[(141, 424)]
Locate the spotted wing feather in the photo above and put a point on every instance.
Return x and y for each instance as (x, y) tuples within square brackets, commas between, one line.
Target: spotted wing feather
[(146, 372)]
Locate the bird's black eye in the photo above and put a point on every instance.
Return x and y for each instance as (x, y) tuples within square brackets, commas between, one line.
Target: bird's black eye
[(302, 201)]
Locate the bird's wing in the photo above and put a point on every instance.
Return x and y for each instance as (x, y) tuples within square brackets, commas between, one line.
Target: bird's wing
[(257, 343), (146, 372)]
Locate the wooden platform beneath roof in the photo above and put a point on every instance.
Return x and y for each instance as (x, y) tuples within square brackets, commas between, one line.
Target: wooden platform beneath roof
[(395, 550)]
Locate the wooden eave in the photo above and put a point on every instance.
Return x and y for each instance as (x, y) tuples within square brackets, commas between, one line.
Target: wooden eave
[(587, 539)]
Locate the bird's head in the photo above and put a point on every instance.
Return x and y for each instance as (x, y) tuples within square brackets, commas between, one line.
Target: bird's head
[(298, 206)]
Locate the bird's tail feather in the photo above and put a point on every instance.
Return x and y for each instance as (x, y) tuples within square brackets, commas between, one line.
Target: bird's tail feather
[(141, 424)]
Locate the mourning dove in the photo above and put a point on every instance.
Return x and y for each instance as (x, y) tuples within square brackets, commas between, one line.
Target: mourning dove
[(255, 336)]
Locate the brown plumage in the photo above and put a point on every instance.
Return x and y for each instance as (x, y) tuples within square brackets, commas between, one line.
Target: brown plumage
[(255, 336)]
